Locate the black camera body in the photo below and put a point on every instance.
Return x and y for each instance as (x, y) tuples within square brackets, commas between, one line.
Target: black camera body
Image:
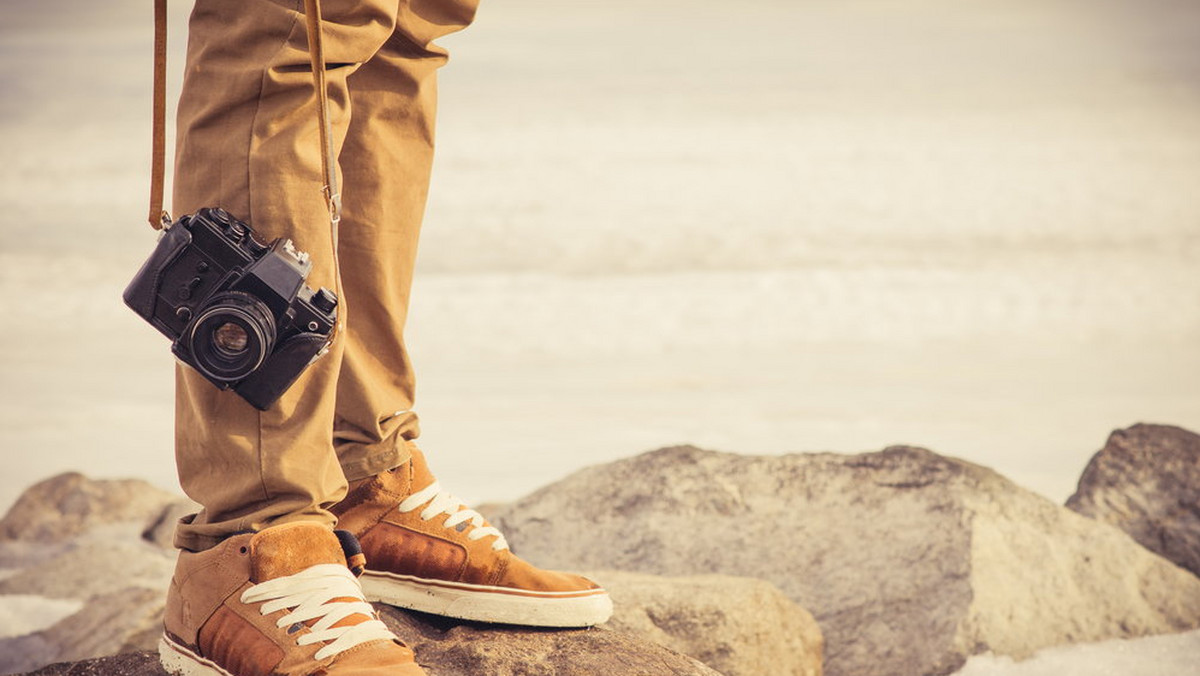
[(237, 310)]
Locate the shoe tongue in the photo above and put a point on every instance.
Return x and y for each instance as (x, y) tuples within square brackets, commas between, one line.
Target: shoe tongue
[(290, 548)]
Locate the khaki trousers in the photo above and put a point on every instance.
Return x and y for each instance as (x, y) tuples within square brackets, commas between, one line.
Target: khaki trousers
[(248, 142)]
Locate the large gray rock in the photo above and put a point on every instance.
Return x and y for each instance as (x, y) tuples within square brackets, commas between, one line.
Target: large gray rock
[(450, 648), (1146, 481), (122, 584), (68, 504), (104, 626), (736, 625), (739, 626), (127, 664), (92, 566), (106, 548), (70, 537), (160, 530), (910, 561)]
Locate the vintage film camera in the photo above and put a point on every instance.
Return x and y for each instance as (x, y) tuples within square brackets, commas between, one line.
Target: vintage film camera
[(237, 310)]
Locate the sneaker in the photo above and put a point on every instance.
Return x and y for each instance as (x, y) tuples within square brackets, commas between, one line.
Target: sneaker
[(427, 551), (281, 602)]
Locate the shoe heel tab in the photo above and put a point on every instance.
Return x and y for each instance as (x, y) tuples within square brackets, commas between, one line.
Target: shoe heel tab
[(356, 561)]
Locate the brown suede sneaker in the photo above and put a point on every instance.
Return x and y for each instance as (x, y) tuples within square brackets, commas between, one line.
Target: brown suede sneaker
[(427, 551), (282, 602)]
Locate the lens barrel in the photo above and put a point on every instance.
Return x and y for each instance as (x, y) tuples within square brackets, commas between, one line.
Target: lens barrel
[(231, 336)]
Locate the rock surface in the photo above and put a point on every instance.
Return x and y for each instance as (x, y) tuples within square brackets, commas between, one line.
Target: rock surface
[(451, 648), (69, 504), (94, 566), (104, 626), (1146, 481), (739, 626), (723, 621), (910, 561), (161, 529), (70, 537), (448, 648), (111, 551), (127, 664)]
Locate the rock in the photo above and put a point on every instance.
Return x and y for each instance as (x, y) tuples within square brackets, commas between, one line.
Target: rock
[(70, 537), (450, 648), (109, 550), (719, 620), (910, 561), (1146, 481), (93, 567), (104, 626), (130, 664), (739, 626), (68, 504), (160, 530), (487, 509)]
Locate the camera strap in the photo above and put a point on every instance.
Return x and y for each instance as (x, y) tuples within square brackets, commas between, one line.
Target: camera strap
[(160, 218), (316, 53), (158, 145)]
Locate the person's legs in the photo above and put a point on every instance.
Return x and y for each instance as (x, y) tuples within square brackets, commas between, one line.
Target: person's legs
[(248, 142), (263, 585)]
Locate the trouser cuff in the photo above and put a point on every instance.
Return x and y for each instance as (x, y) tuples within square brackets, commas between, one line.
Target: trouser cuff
[(360, 462), (199, 537)]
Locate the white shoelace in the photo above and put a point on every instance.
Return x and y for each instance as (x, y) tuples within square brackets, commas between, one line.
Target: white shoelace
[(441, 502), (310, 595)]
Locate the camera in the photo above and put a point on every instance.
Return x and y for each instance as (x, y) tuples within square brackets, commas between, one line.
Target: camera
[(237, 310)]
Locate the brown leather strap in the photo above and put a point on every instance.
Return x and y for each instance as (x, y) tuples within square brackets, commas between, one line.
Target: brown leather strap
[(333, 196), (316, 52), (333, 199), (158, 149)]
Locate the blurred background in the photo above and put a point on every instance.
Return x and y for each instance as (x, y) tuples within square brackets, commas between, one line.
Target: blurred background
[(759, 227)]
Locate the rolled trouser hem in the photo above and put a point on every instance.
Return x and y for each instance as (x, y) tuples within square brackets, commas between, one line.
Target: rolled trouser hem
[(195, 538), (368, 463)]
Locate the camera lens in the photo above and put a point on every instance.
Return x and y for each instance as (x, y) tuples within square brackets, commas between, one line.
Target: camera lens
[(231, 336), (230, 339)]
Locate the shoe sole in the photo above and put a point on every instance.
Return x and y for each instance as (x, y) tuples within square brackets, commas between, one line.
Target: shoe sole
[(180, 661), (482, 603)]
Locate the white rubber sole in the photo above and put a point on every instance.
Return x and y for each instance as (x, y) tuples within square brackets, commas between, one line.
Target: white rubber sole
[(483, 603), (180, 661)]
